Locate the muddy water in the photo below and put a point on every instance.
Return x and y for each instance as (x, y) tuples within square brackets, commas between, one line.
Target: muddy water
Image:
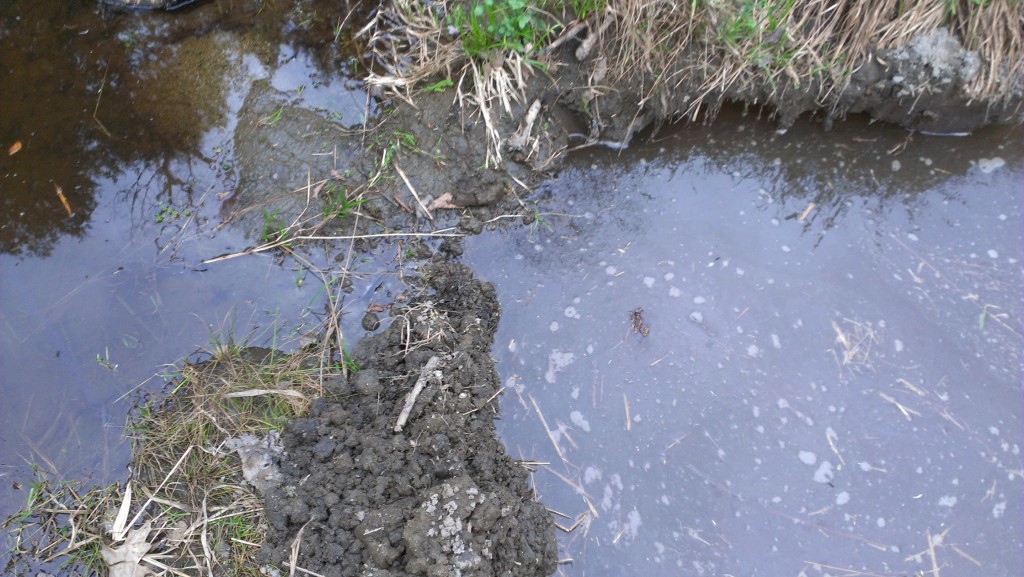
[(736, 352), (134, 117)]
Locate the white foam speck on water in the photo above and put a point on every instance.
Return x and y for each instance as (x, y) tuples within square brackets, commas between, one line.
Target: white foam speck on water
[(753, 351), (993, 430), (580, 421), (776, 342), (699, 300), (880, 522), (842, 498), (575, 394), (591, 474), (590, 348), (782, 403), (515, 383), (947, 500), (999, 509), (557, 361), (912, 236), (987, 165), (898, 345), (993, 253), (648, 281), (896, 165), (633, 523), (571, 312), (785, 248), (669, 276), (756, 411), (697, 317), (553, 327), (740, 272), (610, 270), (808, 457), (674, 292), (512, 346), (825, 473)]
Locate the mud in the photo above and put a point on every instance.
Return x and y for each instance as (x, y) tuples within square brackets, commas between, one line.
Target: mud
[(371, 488), (921, 86)]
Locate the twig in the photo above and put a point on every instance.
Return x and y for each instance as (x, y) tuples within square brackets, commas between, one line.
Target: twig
[(442, 233), (489, 399), (293, 558), (408, 185), (410, 399)]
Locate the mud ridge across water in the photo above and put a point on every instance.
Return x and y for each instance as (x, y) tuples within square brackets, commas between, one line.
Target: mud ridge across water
[(437, 497)]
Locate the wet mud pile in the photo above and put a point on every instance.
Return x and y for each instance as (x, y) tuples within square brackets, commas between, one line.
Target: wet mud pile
[(399, 471)]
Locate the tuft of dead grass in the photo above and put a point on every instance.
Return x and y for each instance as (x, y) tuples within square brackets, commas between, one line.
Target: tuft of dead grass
[(720, 46), (187, 509)]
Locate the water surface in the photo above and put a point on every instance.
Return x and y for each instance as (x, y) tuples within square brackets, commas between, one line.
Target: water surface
[(132, 117), (736, 352)]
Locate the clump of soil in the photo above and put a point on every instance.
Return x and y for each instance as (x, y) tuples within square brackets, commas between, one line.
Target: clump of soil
[(366, 492)]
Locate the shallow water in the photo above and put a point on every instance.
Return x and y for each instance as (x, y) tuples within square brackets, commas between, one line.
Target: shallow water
[(830, 379), (133, 116), (765, 428)]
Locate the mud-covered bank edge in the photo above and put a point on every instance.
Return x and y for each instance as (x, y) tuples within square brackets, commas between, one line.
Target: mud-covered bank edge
[(602, 71), (400, 471)]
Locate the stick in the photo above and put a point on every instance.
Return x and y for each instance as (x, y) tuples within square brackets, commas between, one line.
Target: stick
[(410, 399), (408, 184)]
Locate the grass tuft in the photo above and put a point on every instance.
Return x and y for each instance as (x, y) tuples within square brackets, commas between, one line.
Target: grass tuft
[(486, 48), (186, 498)]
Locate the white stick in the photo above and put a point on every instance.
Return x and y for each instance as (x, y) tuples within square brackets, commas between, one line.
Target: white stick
[(410, 399)]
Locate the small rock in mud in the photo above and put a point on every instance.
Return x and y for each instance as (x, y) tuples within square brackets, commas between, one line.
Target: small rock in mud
[(259, 457), (371, 322), (439, 498)]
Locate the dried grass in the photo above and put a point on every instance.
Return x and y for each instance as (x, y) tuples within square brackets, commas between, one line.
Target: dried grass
[(187, 510), (724, 46)]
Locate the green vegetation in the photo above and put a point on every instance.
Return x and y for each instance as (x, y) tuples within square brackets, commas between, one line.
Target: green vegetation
[(336, 203), (272, 118), (439, 86), (274, 230), (501, 24), (166, 213), (389, 149)]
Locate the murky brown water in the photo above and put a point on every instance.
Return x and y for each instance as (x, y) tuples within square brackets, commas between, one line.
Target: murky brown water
[(822, 383)]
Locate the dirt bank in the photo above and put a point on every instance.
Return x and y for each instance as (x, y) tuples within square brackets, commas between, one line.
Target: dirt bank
[(374, 487)]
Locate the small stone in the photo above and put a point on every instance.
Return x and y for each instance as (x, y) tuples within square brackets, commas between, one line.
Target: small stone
[(371, 321)]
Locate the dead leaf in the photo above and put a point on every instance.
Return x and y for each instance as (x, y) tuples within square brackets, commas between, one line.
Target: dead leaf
[(124, 561), (118, 532), (443, 201), (63, 199), (14, 148)]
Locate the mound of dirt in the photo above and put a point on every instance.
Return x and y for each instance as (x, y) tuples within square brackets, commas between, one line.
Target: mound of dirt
[(399, 472)]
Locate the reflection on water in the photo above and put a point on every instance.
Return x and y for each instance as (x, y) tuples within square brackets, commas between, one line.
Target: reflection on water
[(134, 115), (822, 387)]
